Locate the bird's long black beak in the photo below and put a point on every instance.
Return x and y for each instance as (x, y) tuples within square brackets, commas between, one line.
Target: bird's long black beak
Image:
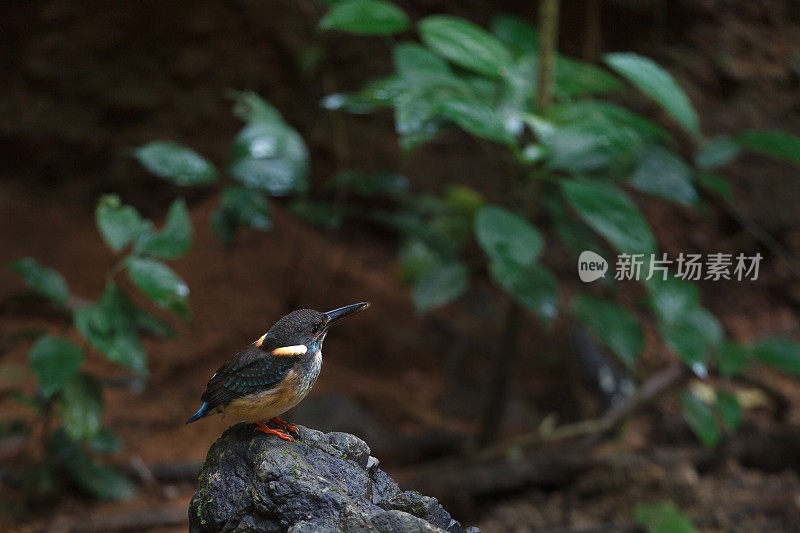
[(337, 315)]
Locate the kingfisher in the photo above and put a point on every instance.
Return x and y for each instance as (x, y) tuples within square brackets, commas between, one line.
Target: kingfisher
[(274, 373)]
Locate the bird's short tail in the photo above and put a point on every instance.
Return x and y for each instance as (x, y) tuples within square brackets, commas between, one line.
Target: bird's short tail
[(203, 411)]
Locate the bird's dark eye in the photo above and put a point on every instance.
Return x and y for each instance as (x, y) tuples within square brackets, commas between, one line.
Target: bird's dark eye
[(315, 329)]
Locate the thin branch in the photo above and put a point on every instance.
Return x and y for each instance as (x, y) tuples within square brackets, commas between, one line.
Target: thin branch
[(548, 43)]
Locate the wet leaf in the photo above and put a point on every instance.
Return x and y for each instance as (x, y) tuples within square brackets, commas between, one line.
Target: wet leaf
[(729, 410), (81, 407), (442, 283), (772, 143), (662, 173), (716, 153), (465, 44), (532, 285), (42, 279), (55, 361), (615, 326), (159, 282), (732, 358), (365, 17), (271, 157), (506, 237), (701, 419), (111, 327), (176, 163), (783, 354), (120, 225), (174, 239), (610, 212), (240, 206), (658, 84)]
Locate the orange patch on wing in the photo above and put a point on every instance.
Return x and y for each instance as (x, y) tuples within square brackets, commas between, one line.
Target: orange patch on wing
[(260, 341), (288, 351)]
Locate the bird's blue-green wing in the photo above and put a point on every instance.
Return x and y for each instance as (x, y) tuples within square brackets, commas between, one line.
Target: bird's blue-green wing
[(248, 372)]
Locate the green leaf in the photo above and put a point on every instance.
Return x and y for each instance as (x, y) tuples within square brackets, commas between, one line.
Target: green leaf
[(594, 136), (583, 111), (701, 419), (518, 34), (119, 224), (365, 17), (464, 200), (672, 298), (415, 258), (81, 406), (575, 236), (250, 107), (159, 282), (686, 326), (240, 206), (111, 327), (370, 184), (476, 117), (729, 410), (610, 212), (98, 480), (783, 354), (465, 44), (417, 120), (772, 143), (505, 237), (574, 78), (664, 174), (658, 84), (55, 361), (105, 442), (413, 61), (715, 184), (615, 326), (662, 517), (176, 163), (692, 336), (532, 285), (271, 157), (439, 284), (42, 279), (151, 324), (317, 212), (732, 358), (716, 153), (174, 239)]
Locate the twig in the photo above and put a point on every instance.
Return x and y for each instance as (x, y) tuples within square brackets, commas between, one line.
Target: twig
[(653, 387), (548, 42), (505, 359)]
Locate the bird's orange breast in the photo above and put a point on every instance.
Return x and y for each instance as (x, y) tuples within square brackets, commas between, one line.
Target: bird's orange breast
[(289, 392)]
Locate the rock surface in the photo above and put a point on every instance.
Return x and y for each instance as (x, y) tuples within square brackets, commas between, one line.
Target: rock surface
[(322, 482)]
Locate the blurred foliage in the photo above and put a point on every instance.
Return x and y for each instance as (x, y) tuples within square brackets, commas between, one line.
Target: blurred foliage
[(114, 327), (268, 158), (573, 163), (575, 159), (663, 517)]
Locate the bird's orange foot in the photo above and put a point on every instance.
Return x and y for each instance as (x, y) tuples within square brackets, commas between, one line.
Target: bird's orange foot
[(285, 425), (262, 427)]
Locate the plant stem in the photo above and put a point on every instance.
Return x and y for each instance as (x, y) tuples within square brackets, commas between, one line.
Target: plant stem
[(504, 362), (548, 42)]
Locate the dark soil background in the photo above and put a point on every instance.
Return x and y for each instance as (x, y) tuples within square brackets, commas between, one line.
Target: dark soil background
[(83, 81)]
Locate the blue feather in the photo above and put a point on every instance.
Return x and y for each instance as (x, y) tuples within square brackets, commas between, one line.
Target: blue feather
[(199, 414)]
